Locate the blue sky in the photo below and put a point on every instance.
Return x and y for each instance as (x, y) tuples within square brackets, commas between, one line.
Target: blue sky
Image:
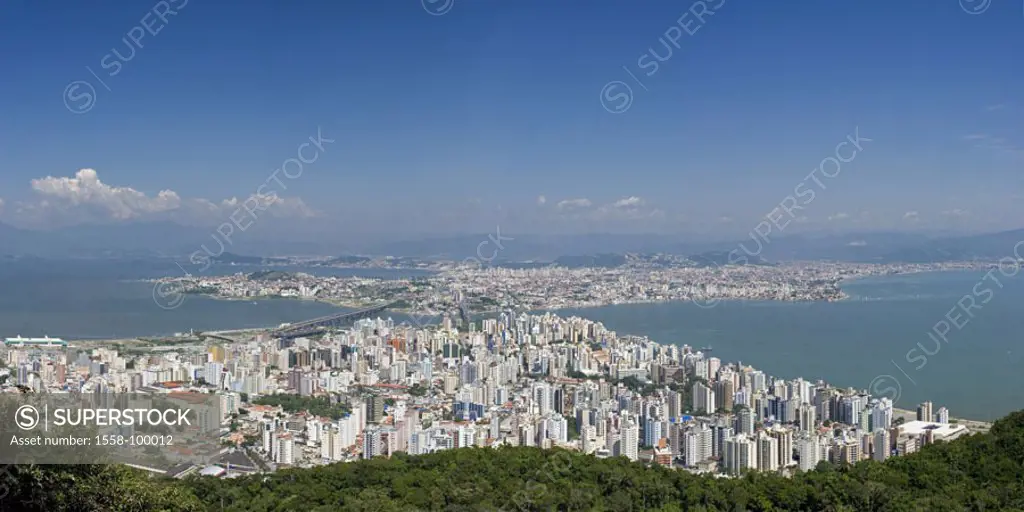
[(492, 112)]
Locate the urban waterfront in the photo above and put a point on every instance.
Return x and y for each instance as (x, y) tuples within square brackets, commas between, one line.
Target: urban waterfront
[(852, 342), (847, 343)]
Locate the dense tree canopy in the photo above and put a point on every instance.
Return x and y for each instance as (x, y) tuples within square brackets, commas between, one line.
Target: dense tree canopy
[(317, 405), (980, 472)]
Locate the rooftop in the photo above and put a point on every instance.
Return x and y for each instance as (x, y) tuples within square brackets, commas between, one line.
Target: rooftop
[(940, 430), (213, 471)]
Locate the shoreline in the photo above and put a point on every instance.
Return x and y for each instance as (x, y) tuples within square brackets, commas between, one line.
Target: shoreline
[(840, 297), (562, 310)]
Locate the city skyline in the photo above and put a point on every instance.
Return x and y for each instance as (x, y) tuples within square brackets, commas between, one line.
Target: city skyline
[(378, 387)]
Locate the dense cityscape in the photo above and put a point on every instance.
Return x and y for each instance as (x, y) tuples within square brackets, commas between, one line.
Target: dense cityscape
[(515, 380), (480, 288)]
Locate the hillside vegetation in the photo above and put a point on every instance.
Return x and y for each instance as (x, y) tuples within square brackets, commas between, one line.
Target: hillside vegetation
[(979, 472)]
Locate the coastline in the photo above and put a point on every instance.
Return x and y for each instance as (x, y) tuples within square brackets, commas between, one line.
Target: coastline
[(166, 343), (907, 414), (840, 295), (733, 354)]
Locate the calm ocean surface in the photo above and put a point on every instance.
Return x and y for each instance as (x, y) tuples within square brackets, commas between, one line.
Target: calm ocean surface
[(862, 342), (98, 299)]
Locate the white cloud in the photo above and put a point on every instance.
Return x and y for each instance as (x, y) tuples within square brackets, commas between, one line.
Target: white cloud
[(574, 204), (911, 216), (838, 216), (993, 108), (956, 212), (273, 204), (122, 203), (627, 208), (628, 202), (541, 200), (993, 143), (85, 198)]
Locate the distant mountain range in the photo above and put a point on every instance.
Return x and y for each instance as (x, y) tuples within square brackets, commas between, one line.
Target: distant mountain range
[(237, 259), (98, 240), (168, 239), (600, 250), (157, 239)]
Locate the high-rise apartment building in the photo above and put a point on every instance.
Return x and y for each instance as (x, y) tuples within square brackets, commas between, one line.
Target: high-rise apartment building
[(767, 452), (631, 440), (808, 417), (375, 409), (809, 449), (924, 412), (740, 454), (703, 398), (784, 437), (745, 422), (881, 445), (725, 391)]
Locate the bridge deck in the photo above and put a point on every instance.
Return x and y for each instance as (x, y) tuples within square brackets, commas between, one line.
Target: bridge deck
[(313, 326), (316, 324)]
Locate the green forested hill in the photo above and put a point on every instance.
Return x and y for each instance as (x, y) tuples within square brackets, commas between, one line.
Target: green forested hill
[(980, 472)]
